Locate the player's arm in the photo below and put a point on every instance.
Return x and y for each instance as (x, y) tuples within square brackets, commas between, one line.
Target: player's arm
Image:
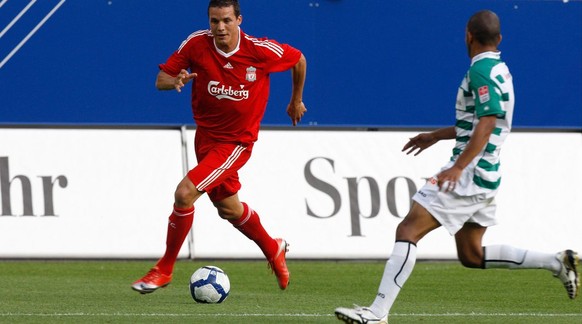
[(448, 178), (165, 81), (423, 141), (478, 140), (296, 108)]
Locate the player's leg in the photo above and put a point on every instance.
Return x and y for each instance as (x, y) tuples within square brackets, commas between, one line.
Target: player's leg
[(469, 245), (221, 182), (223, 192), (398, 268), (564, 265), (179, 224), (248, 222), (412, 229), (472, 254)]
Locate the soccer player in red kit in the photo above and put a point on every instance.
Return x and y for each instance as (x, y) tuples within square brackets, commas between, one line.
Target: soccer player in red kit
[(229, 71)]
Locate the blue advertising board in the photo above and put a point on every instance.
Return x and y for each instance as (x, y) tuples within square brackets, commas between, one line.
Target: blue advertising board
[(371, 63)]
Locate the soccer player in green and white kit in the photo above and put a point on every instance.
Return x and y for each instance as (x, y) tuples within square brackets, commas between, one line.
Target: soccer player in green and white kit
[(462, 196)]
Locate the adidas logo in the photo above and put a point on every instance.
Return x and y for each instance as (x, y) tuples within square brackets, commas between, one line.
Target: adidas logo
[(228, 66)]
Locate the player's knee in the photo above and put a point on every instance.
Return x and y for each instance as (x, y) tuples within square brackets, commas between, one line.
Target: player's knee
[(471, 260), (183, 196), (226, 213), (401, 230), (406, 231)]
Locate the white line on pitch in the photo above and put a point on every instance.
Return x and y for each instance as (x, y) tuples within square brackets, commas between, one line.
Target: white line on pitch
[(289, 315)]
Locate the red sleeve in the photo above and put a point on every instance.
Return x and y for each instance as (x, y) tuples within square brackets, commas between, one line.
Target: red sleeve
[(289, 58), (181, 58), (280, 57), (175, 63)]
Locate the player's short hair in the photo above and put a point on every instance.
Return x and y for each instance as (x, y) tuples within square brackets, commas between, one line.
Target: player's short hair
[(225, 3), (485, 27)]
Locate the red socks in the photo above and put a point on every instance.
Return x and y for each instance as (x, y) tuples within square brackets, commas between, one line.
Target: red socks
[(179, 225), (250, 225)]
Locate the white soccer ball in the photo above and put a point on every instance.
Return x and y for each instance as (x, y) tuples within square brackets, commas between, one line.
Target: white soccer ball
[(209, 285)]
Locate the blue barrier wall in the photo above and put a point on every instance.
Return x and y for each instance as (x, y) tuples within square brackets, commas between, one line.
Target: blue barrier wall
[(370, 63)]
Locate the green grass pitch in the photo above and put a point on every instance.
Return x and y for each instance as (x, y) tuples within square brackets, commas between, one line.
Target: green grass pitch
[(437, 292)]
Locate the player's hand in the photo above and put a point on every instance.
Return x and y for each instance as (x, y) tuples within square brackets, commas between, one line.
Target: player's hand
[(419, 143), (182, 79), (296, 110), (448, 179)]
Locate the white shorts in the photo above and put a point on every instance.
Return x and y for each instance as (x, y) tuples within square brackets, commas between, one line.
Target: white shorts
[(453, 211)]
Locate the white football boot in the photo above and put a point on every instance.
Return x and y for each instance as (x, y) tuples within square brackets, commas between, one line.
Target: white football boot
[(362, 315), (568, 273)]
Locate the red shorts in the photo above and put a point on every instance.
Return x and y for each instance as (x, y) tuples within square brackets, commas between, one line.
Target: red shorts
[(218, 165)]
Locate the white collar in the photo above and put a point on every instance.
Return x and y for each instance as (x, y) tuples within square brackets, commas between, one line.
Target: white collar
[(229, 54), (489, 54)]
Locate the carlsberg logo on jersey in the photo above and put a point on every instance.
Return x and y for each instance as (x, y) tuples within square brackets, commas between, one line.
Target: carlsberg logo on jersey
[(223, 92)]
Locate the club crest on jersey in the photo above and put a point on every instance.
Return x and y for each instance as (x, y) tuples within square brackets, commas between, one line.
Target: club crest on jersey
[(251, 74), (483, 94)]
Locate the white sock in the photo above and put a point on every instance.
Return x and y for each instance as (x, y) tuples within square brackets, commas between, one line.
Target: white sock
[(505, 256), (398, 269)]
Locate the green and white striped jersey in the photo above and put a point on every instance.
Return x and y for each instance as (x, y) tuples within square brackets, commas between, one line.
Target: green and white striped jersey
[(487, 89)]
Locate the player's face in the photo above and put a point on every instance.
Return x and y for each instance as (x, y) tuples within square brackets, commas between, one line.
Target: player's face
[(224, 26)]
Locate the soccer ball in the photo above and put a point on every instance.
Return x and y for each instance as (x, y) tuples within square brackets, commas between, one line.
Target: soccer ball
[(209, 285)]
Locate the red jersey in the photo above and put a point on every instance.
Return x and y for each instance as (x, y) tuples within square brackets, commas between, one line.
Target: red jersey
[(230, 94)]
